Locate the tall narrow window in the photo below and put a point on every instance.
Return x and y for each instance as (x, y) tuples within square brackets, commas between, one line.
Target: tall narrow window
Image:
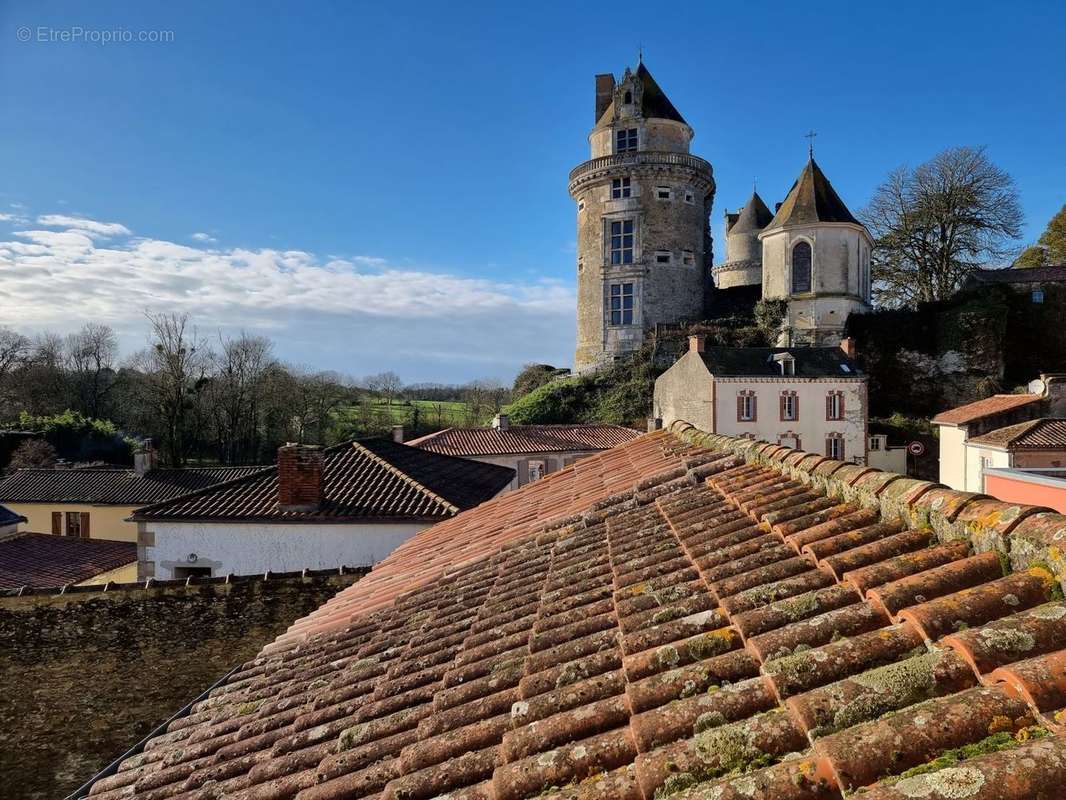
[(789, 406), (834, 446), (834, 406), (621, 244), (747, 410), (625, 140), (620, 187), (801, 268), (73, 523), (621, 304), (628, 98)]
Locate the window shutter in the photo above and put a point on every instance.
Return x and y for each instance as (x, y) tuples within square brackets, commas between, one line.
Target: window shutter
[(840, 456), (84, 524), (57, 523), (829, 406), (840, 413), (782, 402), (740, 407), (754, 407), (796, 407)]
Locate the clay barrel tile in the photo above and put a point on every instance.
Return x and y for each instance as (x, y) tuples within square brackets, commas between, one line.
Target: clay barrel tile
[(832, 528), (1040, 539), (872, 484), (1020, 636), (793, 609), (905, 554), (718, 748), (657, 690), (581, 722), (769, 573), (939, 507), (989, 522), (850, 620), (462, 769), (849, 540), (994, 776), (786, 529), (936, 582), (870, 694), (784, 509), (567, 697), (981, 604), (795, 779), (618, 784), (559, 675), (778, 590), (795, 674), (1040, 680), (863, 754)]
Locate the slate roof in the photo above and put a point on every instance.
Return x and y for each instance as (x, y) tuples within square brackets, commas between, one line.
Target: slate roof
[(517, 439), (654, 102), (1049, 274), (753, 217), (811, 199), (9, 517), (810, 362), (368, 479), (658, 620), (996, 404), (44, 561), (112, 485), (1036, 434)]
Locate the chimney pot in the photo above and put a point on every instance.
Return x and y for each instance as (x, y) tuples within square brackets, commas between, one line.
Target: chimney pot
[(145, 459), (501, 422), (697, 343), (654, 424), (604, 94), (397, 433), (300, 469)]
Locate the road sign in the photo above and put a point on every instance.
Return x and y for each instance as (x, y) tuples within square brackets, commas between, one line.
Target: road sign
[(916, 449)]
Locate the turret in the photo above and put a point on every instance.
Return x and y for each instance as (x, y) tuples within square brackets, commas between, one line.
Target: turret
[(643, 202), (743, 256)]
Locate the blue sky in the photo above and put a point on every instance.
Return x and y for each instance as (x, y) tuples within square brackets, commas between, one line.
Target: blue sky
[(383, 186)]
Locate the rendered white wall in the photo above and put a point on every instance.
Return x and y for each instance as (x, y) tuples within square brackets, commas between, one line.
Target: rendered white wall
[(953, 457)]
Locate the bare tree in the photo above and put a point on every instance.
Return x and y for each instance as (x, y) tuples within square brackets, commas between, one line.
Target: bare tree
[(90, 356), (175, 366), (14, 348), (935, 224), (236, 392), (32, 453), (387, 384)]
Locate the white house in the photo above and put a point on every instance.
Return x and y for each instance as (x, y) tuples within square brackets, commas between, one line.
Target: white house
[(349, 505), (810, 398)]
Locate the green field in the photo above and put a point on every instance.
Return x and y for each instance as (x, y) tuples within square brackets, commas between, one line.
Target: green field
[(377, 415)]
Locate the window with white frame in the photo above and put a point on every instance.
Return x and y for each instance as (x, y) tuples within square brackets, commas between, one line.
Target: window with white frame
[(622, 305), (789, 406), (663, 257), (747, 410), (621, 241), (875, 443), (620, 187), (625, 140), (834, 446), (834, 406), (663, 193)]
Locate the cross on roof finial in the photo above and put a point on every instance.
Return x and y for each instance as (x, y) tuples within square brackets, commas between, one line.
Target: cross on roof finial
[(810, 147), (640, 54)]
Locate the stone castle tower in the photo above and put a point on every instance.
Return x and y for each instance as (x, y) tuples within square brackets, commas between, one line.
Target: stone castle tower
[(743, 250), (816, 255), (643, 239)]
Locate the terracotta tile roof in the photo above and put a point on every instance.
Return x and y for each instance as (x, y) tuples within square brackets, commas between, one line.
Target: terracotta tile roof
[(1036, 434), (111, 485), (656, 620), (524, 439), (996, 404), (370, 479), (1047, 274), (43, 560)]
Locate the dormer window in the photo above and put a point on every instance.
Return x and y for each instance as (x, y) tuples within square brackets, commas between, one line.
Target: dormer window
[(801, 268), (625, 140), (786, 362)]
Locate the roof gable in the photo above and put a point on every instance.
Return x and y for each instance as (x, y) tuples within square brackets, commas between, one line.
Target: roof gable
[(654, 104), (812, 199), (362, 480)]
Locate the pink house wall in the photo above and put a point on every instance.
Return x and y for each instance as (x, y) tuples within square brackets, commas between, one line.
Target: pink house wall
[(1014, 490)]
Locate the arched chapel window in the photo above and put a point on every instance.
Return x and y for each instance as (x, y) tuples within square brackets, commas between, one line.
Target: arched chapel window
[(801, 268), (629, 98)]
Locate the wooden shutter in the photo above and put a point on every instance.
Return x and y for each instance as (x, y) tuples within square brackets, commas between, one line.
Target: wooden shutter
[(841, 456), (784, 398), (740, 407), (754, 407), (84, 524), (57, 523)]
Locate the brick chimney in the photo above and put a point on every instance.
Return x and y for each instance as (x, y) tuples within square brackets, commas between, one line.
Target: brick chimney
[(145, 459), (604, 94), (847, 346), (300, 468), (397, 434), (697, 343), (501, 422)]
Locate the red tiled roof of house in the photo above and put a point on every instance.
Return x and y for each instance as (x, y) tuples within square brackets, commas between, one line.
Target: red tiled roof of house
[(43, 561), (1036, 434), (369, 479), (524, 439), (996, 404), (662, 619)]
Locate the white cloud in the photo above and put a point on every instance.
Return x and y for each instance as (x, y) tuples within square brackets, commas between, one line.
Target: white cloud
[(203, 237), (98, 230), (357, 314)]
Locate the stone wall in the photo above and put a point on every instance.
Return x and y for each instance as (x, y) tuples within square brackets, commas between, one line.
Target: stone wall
[(86, 674)]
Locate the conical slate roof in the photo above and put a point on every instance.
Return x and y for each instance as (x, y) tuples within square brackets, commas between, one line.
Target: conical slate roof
[(753, 217), (811, 199), (654, 102)]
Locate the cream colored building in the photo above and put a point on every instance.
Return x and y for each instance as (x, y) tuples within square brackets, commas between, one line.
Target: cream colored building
[(808, 398)]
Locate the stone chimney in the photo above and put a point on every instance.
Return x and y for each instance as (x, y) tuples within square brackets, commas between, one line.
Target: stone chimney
[(604, 94), (397, 434), (697, 343), (501, 422), (300, 468), (145, 459), (654, 424), (847, 346)]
